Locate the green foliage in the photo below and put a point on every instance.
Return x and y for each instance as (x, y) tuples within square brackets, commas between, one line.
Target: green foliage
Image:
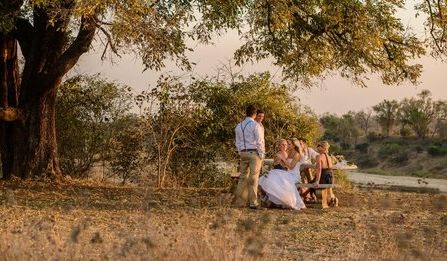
[(374, 136), (340, 129), (400, 157), (126, 156), (362, 148), (387, 114), (335, 149), (389, 149), (367, 161), (405, 132), (437, 150), (419, 149), (435, 24), (307, 38), (86, 108), (418, 113), (225, 106), (312, 38), (172, 121)]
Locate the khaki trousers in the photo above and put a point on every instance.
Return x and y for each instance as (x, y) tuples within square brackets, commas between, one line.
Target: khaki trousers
[(247, 187)]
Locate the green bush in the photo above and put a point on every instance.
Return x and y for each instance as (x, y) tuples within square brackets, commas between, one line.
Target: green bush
[(405, 132), (373, 136), (436, 150), (419, 149), (363, 147), (335, 149), (389, 149), (366, 161), (345, 146), (400, 158)]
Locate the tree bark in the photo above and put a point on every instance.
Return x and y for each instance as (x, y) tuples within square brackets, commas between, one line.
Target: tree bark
[(34, 138), (9, 82), (28, 142)]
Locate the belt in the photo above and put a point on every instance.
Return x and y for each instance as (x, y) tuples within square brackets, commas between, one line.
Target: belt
[(246, 150)]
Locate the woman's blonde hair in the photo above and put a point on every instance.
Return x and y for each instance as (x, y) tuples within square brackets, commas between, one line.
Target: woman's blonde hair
[(324, 144), (280, 141), (297, 144)]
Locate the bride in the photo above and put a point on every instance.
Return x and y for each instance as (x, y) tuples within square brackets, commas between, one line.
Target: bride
[(280, 182)]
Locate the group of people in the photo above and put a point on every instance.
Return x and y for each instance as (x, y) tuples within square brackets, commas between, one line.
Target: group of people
[(292, 166)]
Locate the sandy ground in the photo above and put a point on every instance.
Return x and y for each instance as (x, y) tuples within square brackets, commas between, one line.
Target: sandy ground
[(398, 181), (97, 222)]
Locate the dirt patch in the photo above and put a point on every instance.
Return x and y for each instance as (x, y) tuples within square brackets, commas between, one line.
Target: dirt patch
[(42, 222)]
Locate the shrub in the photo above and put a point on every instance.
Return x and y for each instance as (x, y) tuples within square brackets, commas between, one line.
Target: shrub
[(363, 148), (389, 149), (400, 158), (373, 136), (345, 146), (335, 149), (436, 150), (366, 161), (405, 132), (419, 149)]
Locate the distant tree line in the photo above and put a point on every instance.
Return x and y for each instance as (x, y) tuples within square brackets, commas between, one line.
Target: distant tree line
[(419, 116)]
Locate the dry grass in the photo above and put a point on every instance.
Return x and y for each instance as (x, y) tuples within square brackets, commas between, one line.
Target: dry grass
[(90, 222)]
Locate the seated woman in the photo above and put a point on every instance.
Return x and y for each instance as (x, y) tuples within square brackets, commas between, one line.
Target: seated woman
[(279, 185), (324, 174), (279, 161)]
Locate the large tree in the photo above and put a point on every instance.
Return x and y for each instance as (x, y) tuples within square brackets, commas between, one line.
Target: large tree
[(387, 114), (307, 38)]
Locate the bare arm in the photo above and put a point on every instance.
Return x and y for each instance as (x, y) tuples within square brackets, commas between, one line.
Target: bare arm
[(296, 158), (280, 159), (318, 170)]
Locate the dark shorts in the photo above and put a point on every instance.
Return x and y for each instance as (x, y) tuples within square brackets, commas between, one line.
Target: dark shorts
[(326, 177)]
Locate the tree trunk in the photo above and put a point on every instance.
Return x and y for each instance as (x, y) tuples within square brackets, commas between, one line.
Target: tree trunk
[(33, 136), (9, 82), (28, 144)]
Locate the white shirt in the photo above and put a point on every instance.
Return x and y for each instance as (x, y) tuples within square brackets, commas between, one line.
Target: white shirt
[(309, 154), (262, 135), (249, 136)]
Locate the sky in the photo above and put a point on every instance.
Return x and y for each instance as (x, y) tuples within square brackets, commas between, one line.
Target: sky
[(332, 95)]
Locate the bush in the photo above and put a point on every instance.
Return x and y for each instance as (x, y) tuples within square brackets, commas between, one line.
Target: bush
[(419, 149), (335, 149), (363, 148), (400, 158), (366, 161), (389, 149), (405, 132), (345, 146), (436, 150), (373, 136)]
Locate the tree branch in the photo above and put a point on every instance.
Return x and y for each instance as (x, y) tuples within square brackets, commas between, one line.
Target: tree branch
[(79, 46), (109, 42), (432, 29)]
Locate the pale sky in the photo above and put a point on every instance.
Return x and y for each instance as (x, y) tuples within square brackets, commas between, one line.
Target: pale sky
[(335, 95)]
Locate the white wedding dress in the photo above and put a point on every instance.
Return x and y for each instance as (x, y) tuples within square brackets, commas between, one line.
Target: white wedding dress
[(280, 187)]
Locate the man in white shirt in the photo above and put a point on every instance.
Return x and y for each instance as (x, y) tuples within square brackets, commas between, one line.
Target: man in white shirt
[(251, 148), (260, 116)]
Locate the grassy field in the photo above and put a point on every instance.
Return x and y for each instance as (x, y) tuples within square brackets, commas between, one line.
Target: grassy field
[(90, 222)]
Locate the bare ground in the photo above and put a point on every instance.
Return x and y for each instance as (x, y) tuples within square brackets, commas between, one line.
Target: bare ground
[(90, 222)]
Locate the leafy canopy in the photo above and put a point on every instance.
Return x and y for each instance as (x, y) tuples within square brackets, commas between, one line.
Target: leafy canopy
[(307, 38)]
